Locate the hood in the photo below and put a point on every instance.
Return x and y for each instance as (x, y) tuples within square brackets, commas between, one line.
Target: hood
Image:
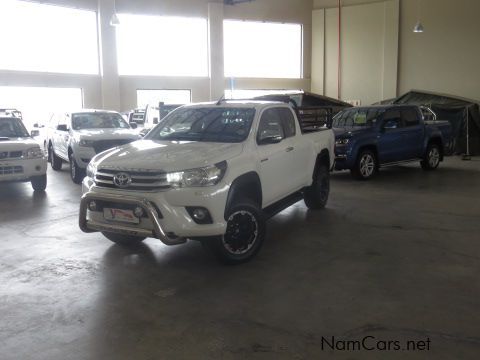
[(106, 134), (17, 144), (166, 155), (350, 131)]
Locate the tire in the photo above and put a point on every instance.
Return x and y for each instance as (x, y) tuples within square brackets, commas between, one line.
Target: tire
[(432, 157), (76, 173), (123, 240), (55, 161), (244, 236), (366, 165), (316, 196), (39, 183)]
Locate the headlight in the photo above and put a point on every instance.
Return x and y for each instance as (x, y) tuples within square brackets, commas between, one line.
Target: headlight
[(206, 176), (91, 170), (33, 153), (342, 141), (86, 143)]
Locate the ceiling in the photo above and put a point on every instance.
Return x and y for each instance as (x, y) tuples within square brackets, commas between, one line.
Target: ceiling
[(318, 4)]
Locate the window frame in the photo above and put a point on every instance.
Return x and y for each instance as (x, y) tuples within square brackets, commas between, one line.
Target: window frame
[(262, 118)]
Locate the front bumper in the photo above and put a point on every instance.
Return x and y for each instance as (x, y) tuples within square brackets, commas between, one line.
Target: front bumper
[(22, 169), (166, 216)]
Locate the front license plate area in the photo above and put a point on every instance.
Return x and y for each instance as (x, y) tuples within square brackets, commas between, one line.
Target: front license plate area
[(120, 215)]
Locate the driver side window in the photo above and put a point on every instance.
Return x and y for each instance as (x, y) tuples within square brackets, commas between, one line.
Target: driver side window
[(392, 120), (270, 127)]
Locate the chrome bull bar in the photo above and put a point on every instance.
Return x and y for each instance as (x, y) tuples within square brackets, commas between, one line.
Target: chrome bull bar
[(94, 226)]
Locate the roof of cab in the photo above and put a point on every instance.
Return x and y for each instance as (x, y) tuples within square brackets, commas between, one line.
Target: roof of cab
[(237, 103)]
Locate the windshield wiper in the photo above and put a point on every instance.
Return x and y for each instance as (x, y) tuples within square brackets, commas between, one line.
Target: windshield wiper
[(3, 138)]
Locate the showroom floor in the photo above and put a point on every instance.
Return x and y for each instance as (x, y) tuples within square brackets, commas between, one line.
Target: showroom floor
[(397, 258)]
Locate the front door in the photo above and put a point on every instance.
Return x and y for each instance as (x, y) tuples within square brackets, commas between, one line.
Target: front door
[(274, 170), (391, 137)]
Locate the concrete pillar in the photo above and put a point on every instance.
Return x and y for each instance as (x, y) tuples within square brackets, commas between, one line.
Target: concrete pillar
[(390, 49), (110, 80), (318, 51), (215, 42)]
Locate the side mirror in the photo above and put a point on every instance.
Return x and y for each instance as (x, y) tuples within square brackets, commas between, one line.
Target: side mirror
[(62, 127), (36, 125), (133, 125), (155, 121), (270, 140), (35, 133)]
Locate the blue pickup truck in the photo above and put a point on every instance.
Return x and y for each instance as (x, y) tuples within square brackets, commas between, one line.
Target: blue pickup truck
[(368, 138)]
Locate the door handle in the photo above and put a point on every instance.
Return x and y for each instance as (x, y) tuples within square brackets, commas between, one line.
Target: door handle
[(263, 160), (290, 148)]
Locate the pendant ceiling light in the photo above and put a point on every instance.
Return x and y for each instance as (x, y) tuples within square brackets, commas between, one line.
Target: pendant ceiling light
[(114, 20), (418, 26)]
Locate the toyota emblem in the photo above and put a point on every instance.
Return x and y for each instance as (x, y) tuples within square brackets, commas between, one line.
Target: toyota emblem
[(122, 180)]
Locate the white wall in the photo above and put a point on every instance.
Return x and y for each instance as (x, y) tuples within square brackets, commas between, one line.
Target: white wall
[(119, 92), (368, 66), (383, 58), (446, 57)]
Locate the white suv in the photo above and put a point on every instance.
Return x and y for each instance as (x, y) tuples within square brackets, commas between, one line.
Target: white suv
[(21, 158), (212, 172), (77, 137)]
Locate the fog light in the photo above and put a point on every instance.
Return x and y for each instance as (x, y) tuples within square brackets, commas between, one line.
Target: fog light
[(200, 214), (92, 205), (138, 211)]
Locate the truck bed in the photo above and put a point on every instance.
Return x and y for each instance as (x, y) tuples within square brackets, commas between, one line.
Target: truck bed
[(447, 133)]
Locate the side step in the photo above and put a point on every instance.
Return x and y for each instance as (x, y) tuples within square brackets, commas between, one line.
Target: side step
[(281, 205)]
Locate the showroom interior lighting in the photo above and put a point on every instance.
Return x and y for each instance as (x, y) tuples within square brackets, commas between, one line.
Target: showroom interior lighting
[(114, 21), (418, 26)]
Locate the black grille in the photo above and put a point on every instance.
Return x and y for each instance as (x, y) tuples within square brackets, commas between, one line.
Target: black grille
[(11, 170), (11, 154), (103, 145), (140, 180), (15, 154)]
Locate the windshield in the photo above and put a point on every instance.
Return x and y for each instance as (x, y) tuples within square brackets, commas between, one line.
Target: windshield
[(215, 124), (98, 120), (12, 127), (357, 117)]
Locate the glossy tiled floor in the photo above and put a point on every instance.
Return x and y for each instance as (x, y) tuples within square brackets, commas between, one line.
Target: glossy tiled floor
[(396, 258)]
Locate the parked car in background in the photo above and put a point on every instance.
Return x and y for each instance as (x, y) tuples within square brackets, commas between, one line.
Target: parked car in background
[(78, 136), (367, 138), (136, 116), (211, 172), (155, 114), (21, 158), (11, 112)]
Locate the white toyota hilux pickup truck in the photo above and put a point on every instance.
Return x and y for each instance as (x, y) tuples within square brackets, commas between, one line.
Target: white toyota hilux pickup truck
[(21, 158), (78, 136), (211, 172)]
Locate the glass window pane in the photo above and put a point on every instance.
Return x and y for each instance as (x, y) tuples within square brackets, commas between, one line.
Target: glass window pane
[(270, 125), (46, 38), (262, 50), (37, 104), (162, 46)]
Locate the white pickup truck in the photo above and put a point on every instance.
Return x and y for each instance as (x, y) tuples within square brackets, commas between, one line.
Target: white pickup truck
[(212, 172), (21, 158), (77, 137)]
